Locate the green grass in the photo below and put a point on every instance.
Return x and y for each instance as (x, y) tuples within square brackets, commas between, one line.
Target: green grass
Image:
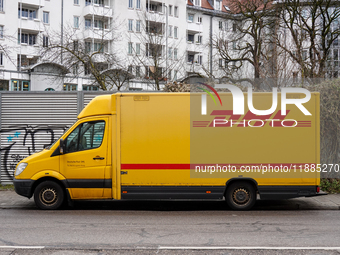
[(6, 187)]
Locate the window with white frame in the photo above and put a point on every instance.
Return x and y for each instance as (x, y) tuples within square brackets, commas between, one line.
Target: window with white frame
[(75, 21), (198, 2), (170, 10), (76, 2), (220, 25), (46, 17), (138, 71), (175, 75), (130, 26), (27, 13), (170, 31), (88, 23), (138, 48), (175, 53), (45, 41), (130, 49), (176, 11), (176, 32), (137, 25), (1, 5), (1, 32), (218, 5), (170, 53), (88, 2), (199, 59), (220, 63), (130, 3), (190, 17), (137, 4), (25, 38), (199, 39), (1, 58), (199, 19)]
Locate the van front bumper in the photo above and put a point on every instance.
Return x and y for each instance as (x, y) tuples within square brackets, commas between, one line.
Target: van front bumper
[(23, 187)]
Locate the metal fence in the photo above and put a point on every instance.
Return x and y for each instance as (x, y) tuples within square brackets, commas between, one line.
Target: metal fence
[(30, 121)]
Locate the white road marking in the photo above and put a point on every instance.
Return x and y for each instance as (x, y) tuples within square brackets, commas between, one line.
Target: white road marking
[(243, 248), (22, 247)]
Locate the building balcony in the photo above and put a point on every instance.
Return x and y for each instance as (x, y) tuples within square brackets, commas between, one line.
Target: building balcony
[(194, 28), (97, 11), (97, 34), (30, 50), (32, 3), (31, 25), (158, 17), (194, 48)]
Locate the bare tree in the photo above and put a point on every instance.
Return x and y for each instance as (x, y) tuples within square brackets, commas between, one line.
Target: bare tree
[(308, 31), (150, 48), (89, 53), (248, 42)]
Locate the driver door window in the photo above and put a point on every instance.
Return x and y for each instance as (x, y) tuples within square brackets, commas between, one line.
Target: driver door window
[(88, 135)]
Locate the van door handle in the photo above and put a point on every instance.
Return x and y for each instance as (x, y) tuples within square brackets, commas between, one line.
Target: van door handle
[(100, 158)]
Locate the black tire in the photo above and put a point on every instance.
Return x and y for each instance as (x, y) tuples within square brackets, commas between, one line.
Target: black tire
[(48, 195), (240, 196)]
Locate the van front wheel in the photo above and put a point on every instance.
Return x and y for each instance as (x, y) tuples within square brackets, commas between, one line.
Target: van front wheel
[(48, 195), (240, 196)]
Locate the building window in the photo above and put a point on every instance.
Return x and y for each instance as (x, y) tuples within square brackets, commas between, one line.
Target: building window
[(27, 13), (137, 71), (99, 2), (130, 48), (4, 85), (191, 58), (199, 20), (170, 53), (137, 25), (175, 75), (199, 39), (130, 69), (1, 32), (199, 59), (130, 25), (88, 2), (175, 53), (87, 23), (46, 17), (191, 38), (98, 47), (18, 85), (98, 24), (138, 48), (70, 87), (234, 27), (90, 88), (220, 25), (176, 32), (191, 17), (198, 2), (1, 58), (87, 47), (75, 21), (49, 89), (1, 5), (218, 5), (45, 41), (169, 75), (130, 3), (220, 63), (27, 38), (170, 31), (137, 4), (176, 11), (234, 46), (76, 2)]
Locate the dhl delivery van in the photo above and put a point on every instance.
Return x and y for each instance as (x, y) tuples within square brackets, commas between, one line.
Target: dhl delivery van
[(130, 146)]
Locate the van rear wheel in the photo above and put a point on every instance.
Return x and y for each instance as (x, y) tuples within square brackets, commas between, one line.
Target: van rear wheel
[(48, 195), (240, 196)]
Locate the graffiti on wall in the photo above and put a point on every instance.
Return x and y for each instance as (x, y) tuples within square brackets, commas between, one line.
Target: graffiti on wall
[(20, 141)]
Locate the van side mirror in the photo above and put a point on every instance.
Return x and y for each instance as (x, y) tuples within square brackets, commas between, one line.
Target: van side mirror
[(61, 146)]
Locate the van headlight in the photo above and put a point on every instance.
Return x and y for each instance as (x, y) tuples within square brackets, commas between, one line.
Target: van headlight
[(21, 167)]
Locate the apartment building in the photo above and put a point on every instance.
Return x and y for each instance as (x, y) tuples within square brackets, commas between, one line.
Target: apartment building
[(184, 30)]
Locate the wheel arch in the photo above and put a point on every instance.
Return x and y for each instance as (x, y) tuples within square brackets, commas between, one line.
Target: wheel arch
[(47, 178), (241, 179)]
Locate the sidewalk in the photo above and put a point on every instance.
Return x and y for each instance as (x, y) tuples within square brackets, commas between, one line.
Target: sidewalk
[(10, 200)]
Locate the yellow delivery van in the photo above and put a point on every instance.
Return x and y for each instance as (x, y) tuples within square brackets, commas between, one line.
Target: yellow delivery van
[(180, 146)]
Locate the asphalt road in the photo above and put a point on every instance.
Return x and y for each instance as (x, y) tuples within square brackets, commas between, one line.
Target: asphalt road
[(159, 227)]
